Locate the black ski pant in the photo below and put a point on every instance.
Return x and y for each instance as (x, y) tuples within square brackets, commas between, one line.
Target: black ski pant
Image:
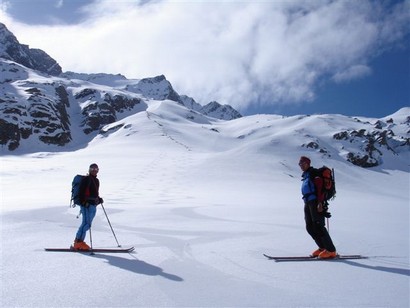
[(315, 226)]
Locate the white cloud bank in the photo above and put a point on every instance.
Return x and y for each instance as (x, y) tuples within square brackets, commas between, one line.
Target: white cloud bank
[(236, 52)]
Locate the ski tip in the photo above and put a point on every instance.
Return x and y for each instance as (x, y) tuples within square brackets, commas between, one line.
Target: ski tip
[(127, 249)]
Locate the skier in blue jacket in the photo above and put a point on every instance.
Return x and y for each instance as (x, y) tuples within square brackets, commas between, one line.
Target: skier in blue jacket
[(313, 198)]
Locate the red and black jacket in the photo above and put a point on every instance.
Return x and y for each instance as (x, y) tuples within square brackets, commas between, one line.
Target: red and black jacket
[(89, 190)]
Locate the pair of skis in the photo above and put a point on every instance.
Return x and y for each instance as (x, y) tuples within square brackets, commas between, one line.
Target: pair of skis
[(277, 259), (311, 258), (98, 250)]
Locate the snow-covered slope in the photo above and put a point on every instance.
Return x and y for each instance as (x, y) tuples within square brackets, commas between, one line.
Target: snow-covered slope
[(201, 199), (363, 142)]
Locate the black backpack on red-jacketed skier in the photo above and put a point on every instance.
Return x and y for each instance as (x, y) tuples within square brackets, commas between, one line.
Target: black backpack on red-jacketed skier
[(329, 185), (75, 190)]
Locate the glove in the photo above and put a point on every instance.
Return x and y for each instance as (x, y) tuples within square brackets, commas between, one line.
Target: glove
[(325, 211), (327, 214), (100, 200)]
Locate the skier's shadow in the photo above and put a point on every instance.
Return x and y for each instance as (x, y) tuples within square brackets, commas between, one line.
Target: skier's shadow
[(137, 266), (399, 271)]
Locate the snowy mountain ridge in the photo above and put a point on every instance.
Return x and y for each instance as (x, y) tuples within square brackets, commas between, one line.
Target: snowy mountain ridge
[(39, 101), (359, 141), (41, 112), (53, 109)]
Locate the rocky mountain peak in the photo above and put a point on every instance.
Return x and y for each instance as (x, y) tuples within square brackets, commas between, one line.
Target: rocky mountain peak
[(36, 59), (158, 88)]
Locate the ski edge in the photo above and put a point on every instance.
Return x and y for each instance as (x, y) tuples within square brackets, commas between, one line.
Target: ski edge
[(311, 258), (100, 250)]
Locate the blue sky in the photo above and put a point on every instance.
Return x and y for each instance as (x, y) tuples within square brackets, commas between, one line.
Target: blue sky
[(286, 57)]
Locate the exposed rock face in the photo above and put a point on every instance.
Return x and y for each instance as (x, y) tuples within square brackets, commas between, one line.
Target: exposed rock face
[(366, 144), (372, 143), (36, 59), (99, 113), (39, 114)]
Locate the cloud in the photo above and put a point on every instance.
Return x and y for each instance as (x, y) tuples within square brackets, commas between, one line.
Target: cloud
[(353, 72), (59, 4), (241, 53)]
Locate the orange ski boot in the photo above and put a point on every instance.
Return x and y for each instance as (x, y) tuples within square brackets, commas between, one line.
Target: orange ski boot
[(80, 245), (317, 252), (327, 254)]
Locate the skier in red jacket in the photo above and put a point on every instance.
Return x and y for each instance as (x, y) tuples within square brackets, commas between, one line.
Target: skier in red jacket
[(89, 197)]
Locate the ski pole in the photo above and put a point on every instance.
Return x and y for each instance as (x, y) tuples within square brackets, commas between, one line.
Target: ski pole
[(110, 225), (91, 242), (328, 225), (91, 238)]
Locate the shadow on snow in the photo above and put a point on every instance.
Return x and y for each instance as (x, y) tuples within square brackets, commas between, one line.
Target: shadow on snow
[(137, 266), (393, 270)]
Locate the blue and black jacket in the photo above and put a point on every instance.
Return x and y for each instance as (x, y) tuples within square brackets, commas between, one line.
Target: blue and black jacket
[(308, 186)]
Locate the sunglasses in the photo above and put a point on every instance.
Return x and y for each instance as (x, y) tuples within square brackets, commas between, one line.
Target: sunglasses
[(94, 169)]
